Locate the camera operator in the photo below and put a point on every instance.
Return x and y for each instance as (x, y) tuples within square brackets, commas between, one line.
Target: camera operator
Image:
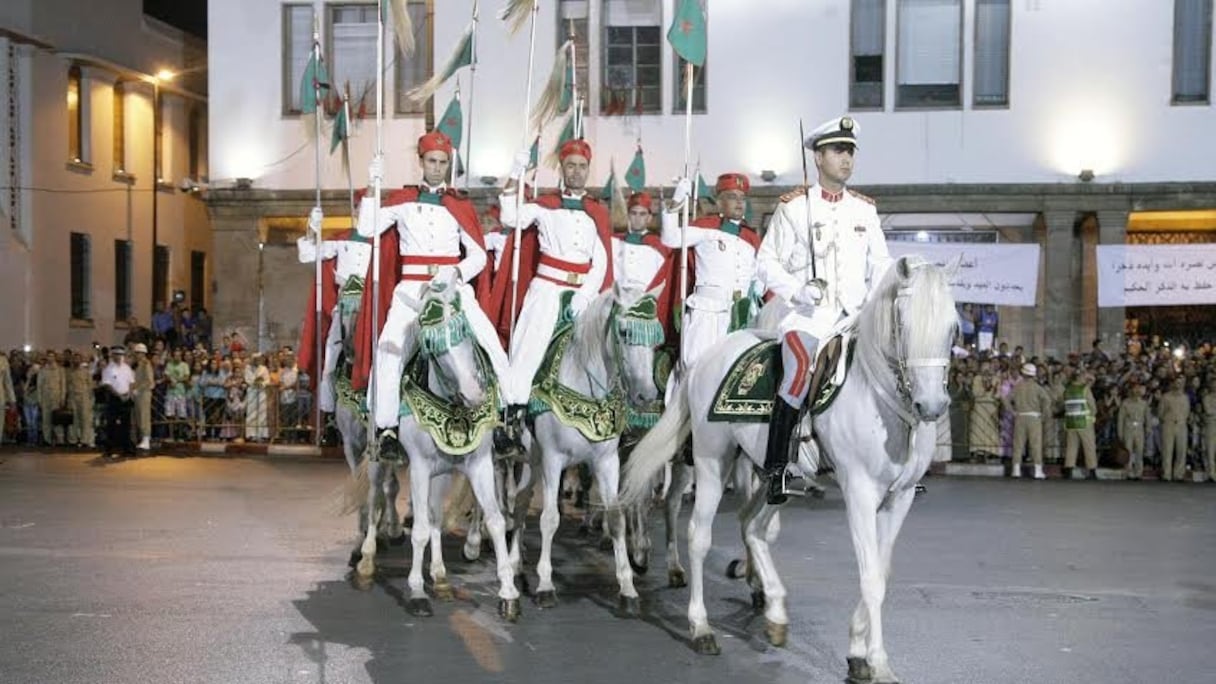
[(117, 378)]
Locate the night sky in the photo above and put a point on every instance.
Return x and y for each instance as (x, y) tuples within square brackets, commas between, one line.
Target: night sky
[(188, 15)]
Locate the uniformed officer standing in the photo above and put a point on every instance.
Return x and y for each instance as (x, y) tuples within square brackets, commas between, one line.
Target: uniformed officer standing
[(823, 251), (117, 378), (1209, 431), (1079, 411), (141, 392), (80, 400), (51, 391), (1131, 426), (1028, 402), (1174, 411)]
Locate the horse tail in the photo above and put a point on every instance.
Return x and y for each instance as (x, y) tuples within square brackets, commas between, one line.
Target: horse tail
[(656, 448), (352, 496)]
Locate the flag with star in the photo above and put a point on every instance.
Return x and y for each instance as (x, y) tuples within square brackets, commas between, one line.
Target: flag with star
[(687, 35), (341, 129), (315, 78), (610, 184), (635, 175)]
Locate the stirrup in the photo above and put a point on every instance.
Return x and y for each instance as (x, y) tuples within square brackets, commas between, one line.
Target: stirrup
[(784, 484)]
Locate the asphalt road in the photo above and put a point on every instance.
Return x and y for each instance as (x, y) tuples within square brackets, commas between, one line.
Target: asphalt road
[(228, 570)]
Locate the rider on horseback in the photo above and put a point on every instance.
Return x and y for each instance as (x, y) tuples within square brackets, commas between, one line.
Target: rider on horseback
[(438, 234), (840, 228)]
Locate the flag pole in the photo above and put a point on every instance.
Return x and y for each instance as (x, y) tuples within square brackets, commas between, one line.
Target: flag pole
[(377, 183), (319, 342), (350, 179), (688, 74), (453, 162), (519, 190), (468, 148)]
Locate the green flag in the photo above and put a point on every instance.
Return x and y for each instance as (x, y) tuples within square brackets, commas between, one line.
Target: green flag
[(635, 175), (340, 130), (687, 34), (534, 156), (461, 57), (749, 216), (609, 186), (566, 136), (451, 123), (315, 76), (703, 189)]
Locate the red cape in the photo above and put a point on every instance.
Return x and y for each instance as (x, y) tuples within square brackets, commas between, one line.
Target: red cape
[(668, 275), (329, 299), (465, 213), (500, 310)]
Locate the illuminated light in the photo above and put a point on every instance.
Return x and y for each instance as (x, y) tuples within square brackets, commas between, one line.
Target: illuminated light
[(27, 348), (1089, 138), (922, 236), (165, 75)]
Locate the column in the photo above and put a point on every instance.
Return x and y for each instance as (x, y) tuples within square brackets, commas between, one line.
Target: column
[(1112, 230), (1062, 286)]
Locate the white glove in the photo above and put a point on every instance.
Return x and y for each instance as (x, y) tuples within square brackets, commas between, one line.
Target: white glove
[(520, 164), (810, 294), (375, 170), (578, 303), (682, 192), (315, 218), (448, 274)]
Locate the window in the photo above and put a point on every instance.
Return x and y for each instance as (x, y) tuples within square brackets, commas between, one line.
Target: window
[(122, 280), (352, 50), (632, 63), (297, 44), (1192, 50), (198, 280), (160, 276), (120, 127), (80, 277), (411, 71), (991, 53), (572, 18), (929, 53), (868, 31), (78, 117)]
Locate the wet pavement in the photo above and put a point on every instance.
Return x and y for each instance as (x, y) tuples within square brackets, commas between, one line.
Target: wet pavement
[(165, 569)]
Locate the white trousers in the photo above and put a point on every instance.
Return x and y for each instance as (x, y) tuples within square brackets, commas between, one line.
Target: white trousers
[(530, 339), (399, 341), (326, 392)]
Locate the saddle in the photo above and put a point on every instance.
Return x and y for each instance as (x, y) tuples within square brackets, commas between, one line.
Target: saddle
[(598, 420), (748, 390), (457, 430)]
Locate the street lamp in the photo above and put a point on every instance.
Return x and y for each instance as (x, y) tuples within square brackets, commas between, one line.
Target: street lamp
[(162, 76)]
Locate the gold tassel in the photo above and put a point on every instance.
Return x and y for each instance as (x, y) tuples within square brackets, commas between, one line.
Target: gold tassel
[(516, 13), (403, 26), (548, 106)]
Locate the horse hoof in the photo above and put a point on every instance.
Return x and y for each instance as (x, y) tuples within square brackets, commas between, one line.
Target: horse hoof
[(355, 557), (361, 582), (629, 606), (859, 671), (736, 569), (444, 590), (706, 645), (546, 599), (758, 601), (421, 607), (676, 579), (777, 634), (365, 568), (509, 609), (470, 556)]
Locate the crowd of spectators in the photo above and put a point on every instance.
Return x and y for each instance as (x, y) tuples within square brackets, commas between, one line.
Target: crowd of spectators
[(1166, 376), (196, 391)]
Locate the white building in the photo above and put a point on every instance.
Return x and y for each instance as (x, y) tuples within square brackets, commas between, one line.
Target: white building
[(1031, 121), (77, 131)]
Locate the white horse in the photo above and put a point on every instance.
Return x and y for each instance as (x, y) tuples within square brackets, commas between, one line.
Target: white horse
[(879, 434), (463, 385), (609, 360)]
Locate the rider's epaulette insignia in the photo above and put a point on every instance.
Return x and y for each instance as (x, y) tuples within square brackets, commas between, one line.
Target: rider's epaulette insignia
[(797, 192), (863, 198)]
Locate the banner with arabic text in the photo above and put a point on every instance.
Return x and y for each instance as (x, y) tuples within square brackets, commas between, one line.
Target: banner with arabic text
[(1156, 275), (988, 273)]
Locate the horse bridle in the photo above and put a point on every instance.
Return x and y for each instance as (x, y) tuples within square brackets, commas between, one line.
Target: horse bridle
[(900, 364)]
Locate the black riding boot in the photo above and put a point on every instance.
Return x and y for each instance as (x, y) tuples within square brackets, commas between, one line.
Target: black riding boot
[(781, 425), (508, 438)]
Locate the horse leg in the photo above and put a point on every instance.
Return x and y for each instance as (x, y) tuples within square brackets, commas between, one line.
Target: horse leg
[(865, 634), (890, 520), (637, 537), (700, 537), (481, 478), (607, 471), (366, 566), (420, 484), (390, 522), (439, 572), (472, 540), (757, 535), (681, 476), (550, 517)]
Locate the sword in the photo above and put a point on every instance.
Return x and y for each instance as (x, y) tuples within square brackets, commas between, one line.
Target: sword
[(810, 231)]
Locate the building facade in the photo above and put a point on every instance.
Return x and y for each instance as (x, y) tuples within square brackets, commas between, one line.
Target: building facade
[(985, 120), (94, 150)]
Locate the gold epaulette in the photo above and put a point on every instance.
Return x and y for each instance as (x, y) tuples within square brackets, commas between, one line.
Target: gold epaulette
[(863, 198), (794, 194)]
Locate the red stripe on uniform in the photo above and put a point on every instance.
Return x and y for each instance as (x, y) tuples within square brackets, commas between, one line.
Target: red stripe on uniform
[(571, 266), (803, 360)]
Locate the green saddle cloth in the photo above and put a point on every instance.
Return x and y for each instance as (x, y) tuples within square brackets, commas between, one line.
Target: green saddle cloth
[(457, 430), (598, 420), (747, 393)]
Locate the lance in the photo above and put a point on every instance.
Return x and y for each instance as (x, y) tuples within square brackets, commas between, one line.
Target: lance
[(688, 74), (806, 184), (377, 183), (350, 181), (519, 190), (468, 138), (318, 333)]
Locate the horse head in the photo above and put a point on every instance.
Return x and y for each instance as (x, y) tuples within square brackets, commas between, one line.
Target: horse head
[(447, 342), (637, 332), (914, 315)]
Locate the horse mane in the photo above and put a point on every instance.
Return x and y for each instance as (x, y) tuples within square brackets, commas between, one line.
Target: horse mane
[(590, 338), (931, 314)]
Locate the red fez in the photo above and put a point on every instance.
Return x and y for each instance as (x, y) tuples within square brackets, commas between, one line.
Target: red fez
[(577, 146), (733, 181), (435, 140), (641, 199)]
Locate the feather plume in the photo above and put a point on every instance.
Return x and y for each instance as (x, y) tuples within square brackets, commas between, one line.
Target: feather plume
[(462, 56), (398, 16), (516, 14), (556, 97)]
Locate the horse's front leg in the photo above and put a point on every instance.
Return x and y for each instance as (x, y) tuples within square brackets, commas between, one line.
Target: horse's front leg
[(607, 469), (681, 477), (390, 521), (440, 484), (480, 473), (552, 465), (420, 485), (700, 538), (366, 566), (890, 520), (867, 658)]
